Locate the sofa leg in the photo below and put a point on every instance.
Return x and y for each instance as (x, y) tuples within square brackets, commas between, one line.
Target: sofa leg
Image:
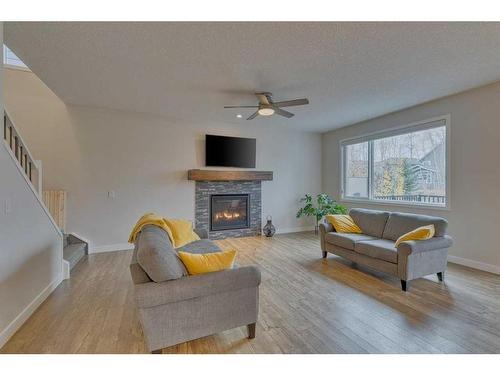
[(158, 351), (324, 254), (440, 276), (404, 285), (251, 330)]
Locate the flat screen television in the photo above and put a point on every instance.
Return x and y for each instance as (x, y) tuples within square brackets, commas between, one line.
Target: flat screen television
[(221, 151)]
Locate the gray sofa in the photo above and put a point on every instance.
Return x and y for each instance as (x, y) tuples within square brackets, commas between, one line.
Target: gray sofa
[(376, 249), (179, 307)]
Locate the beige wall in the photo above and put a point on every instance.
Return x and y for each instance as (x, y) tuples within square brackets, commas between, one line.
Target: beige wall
[(144, 159), (474, 216), (30, 246)]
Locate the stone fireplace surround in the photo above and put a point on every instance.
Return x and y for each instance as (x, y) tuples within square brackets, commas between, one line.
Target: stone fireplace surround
[(205, 189), (212, 182)]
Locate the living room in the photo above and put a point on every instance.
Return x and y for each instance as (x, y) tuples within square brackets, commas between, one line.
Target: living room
[(229, 195)]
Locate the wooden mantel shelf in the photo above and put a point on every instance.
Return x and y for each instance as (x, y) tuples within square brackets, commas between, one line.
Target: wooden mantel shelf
[(213, 175)]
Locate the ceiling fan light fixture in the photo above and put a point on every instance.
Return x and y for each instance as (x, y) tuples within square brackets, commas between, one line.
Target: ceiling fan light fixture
[(266, 111)]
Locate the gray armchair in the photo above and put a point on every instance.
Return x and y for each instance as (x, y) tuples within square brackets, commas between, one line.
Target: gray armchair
[(190, 307)]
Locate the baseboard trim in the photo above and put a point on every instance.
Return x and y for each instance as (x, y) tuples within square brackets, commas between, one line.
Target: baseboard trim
[(129, 246), (65, 270), (23, 316), (108, 248), (474, 264), (294, 230)]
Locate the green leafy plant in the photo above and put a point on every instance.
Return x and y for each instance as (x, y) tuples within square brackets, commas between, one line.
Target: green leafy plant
[(324, 205)]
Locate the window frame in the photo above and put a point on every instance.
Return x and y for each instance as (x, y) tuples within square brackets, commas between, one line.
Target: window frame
[(435, 122)]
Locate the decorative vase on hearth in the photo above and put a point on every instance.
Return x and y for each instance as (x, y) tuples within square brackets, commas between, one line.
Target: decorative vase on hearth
[(269, 228)]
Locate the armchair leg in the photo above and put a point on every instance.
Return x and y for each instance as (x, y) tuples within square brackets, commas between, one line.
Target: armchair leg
[(158, 351), (251, 330), (440, 276), (404, 285), (324, 254)]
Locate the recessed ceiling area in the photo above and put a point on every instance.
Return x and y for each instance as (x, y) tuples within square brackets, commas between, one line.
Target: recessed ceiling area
[(189, 71)]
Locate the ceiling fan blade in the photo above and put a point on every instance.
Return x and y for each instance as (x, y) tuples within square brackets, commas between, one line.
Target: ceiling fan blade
[(283, 113), (253, 115), (290, 103), (241, 106)]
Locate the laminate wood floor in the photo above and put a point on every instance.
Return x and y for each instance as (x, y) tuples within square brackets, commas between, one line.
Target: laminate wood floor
[(308, 305)]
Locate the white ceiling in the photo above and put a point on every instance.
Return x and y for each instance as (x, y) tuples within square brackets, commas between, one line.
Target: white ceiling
[(188, 71)]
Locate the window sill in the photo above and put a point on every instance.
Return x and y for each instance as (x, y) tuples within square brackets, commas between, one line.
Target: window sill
[(419, 206), (17, 67)]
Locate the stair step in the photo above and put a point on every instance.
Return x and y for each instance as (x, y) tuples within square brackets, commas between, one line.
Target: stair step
[(73, 253)]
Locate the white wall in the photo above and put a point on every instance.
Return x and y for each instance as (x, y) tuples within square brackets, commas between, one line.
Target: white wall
[(30, 246), (474, 217), (144, 159)]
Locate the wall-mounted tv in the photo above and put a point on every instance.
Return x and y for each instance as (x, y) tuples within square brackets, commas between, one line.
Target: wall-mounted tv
[(221, 151)]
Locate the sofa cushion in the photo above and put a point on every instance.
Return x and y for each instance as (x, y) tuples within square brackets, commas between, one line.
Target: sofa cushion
[(371, 222), (156, 256), (380, 249), (136, 271), (346, 240), (400, 223), (200, 247)]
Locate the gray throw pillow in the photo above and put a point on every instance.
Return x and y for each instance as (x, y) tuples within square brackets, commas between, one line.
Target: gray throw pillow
[(156, 255)]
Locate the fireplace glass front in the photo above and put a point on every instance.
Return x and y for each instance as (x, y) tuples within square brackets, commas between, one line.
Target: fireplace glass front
[(229, 211)]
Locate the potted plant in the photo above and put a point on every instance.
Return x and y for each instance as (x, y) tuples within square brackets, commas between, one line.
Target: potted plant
[(325, 205)]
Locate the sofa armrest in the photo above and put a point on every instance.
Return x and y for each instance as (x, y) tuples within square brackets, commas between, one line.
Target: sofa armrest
[(325, 227), (415, 247), (188, 287), (202, 233)]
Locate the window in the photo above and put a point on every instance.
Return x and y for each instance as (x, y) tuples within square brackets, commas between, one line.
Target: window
[(405, 165), (9, 58), (356, 178)]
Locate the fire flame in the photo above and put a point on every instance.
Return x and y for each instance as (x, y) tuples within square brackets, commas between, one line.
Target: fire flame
[(227, 215)]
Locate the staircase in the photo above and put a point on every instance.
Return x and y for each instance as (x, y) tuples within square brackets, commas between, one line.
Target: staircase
[(31, 243), (74, 250), (54, 202)]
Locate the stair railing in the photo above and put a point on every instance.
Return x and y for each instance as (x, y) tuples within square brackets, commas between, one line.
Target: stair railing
[(32, 168)]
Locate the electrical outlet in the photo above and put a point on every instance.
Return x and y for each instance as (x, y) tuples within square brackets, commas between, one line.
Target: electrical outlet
[(111, 194)]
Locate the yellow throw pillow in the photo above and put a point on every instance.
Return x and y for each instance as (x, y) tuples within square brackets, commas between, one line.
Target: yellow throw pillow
[(421, 233), (182, 232), (343, 224), (197, 264)]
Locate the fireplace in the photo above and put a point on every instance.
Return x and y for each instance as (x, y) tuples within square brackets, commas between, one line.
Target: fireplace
[(212, 197), (229, 211)]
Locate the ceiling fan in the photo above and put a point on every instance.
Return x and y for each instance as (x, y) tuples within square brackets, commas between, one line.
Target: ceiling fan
[(267, 107)]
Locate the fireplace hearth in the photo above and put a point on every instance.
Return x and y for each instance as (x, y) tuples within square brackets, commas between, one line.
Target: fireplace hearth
[(229, 211)]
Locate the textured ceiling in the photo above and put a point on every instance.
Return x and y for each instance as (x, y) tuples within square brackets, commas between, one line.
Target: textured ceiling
[(189, 71)]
